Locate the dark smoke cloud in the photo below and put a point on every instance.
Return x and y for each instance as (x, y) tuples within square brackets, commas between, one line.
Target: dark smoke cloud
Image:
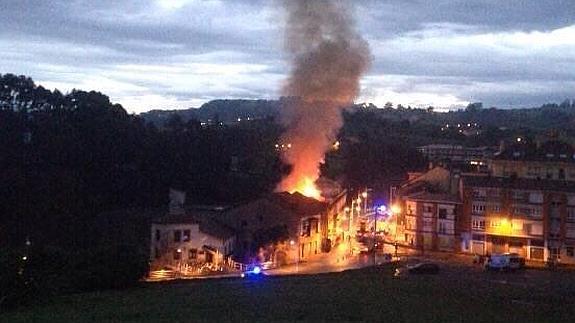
[(328, 58)]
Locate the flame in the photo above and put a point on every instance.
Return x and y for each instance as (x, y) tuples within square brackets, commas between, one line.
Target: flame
[(307, 187)]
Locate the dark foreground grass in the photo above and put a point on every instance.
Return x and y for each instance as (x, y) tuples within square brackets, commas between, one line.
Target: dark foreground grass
[(363, 295)]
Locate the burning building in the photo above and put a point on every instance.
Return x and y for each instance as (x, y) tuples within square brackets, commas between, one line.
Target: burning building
[(327, 58)]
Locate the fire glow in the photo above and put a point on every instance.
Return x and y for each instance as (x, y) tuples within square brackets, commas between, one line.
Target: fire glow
[(328, 58), (307, 187)]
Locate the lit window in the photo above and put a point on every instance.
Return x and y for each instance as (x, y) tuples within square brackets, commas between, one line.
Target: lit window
[(177, 254)]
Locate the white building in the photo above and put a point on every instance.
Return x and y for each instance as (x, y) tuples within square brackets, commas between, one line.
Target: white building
[(181, 242)]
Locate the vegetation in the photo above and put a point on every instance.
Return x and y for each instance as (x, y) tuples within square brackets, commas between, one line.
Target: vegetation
[(364, 295)]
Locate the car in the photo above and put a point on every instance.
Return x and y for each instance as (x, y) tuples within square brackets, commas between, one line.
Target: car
[(252, 272), (506, 261), (424, 268)]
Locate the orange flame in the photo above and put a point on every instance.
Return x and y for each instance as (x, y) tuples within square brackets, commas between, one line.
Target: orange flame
[(307, 187)]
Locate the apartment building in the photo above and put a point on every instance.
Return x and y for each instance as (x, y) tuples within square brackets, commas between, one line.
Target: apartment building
[(534, 218)]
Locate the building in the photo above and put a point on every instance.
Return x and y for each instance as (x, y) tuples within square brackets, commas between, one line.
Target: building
[(553, 160), (430, 207), (526, 205), (188, 242), (535, 218), (431, 221), (457, 154)]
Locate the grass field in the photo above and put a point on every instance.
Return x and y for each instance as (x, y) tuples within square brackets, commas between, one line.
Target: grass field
[(371, 294)]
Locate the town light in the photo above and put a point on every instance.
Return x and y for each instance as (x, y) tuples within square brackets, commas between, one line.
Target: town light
[(346, 209), (364, 195), (291, 243), (395, 209)]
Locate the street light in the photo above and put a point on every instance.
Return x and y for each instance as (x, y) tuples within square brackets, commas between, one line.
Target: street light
[(292, 243)]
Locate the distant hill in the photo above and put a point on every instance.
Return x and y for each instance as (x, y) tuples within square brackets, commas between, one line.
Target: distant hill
[(226, 111), (19, 93)]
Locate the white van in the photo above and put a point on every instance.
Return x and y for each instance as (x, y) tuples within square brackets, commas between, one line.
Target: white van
[(506, 261)]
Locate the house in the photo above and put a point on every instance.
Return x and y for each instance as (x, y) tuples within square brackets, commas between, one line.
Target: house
[(180, 241), (187, 239), (282, 227)]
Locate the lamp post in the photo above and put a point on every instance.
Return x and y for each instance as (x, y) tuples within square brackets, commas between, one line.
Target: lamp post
[(292, 243)]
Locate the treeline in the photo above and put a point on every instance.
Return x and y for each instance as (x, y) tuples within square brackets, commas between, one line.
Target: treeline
[(69, 162)]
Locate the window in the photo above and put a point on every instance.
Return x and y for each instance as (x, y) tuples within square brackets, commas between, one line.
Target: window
[(177, 235), (442, 213), (535, 197), (478, 224), (177, 254), (478, 208), (478, 237), (569, 251), (427, 208), (193, 253), (156, 253), (479, 193), (518, 195), (157, 235), (571, 214), (496, 208), (442, 228), (186, 235)]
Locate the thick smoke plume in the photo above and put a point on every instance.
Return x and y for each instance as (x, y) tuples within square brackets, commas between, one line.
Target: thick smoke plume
[(328, 57)]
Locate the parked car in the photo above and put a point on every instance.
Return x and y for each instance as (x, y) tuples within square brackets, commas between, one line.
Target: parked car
[(506, 261)]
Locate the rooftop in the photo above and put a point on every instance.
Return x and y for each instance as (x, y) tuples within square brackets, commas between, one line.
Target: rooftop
[(553, 150), (519, 183), (435, 197), (207, 224)]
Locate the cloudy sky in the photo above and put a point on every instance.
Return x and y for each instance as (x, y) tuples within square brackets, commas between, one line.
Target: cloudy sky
[(167, 54)]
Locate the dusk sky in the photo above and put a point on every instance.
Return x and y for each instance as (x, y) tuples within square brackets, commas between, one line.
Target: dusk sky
[(162, 54)]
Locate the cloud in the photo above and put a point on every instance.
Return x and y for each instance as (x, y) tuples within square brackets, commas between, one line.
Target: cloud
[(180, 53)]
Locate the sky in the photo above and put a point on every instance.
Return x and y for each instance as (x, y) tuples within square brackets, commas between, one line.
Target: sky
[(178, 54)]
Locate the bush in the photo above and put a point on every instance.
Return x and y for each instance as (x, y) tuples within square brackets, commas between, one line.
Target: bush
[(106, 267)]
